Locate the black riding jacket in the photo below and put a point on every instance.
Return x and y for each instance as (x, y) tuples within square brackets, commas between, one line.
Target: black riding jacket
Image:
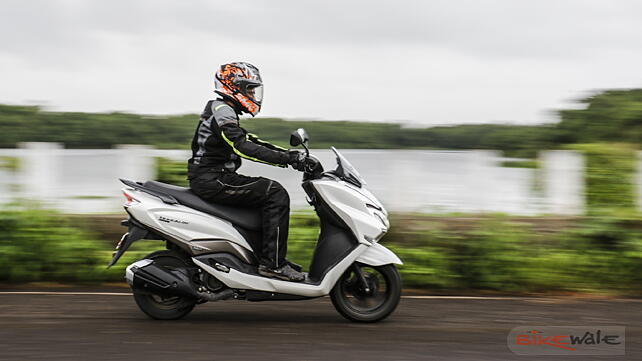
[(220, 143)]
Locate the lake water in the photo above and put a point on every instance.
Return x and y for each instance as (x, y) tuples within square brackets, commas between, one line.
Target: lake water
[(86, 181)]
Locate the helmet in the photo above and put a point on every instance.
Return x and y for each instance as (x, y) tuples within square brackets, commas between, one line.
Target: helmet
[(241, 83)]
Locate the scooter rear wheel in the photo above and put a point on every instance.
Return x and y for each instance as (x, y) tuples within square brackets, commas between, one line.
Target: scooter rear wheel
[(159, 307), (374, 303)]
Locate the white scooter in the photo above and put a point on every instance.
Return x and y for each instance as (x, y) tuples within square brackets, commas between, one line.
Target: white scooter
[(209, 257)]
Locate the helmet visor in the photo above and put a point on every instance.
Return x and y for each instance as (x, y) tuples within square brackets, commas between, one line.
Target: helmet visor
[(255, 92)]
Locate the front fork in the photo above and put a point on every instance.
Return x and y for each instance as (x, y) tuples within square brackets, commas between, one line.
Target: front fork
[(361, 276)]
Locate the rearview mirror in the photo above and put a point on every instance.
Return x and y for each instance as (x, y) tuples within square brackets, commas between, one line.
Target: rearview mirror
[(299, 137)]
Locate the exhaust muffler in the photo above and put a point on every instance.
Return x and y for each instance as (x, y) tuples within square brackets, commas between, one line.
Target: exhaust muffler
[(146, 276)]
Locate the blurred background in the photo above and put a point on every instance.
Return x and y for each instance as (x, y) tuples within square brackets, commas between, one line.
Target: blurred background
[(503, 136)]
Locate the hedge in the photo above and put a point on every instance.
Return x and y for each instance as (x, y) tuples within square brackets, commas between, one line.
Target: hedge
[(440, 254)]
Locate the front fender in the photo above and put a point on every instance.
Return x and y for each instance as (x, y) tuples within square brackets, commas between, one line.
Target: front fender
[(378, 255)]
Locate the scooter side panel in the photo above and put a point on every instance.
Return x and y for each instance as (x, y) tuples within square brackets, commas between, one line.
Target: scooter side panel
[(239, 280), (378, 255), (352, 207), (182, 223)]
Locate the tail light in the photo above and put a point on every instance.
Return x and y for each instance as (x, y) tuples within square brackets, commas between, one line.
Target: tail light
[(130, 199)]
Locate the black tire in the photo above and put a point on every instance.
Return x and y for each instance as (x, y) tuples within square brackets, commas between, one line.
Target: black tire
[(165, 308), (354, 303)]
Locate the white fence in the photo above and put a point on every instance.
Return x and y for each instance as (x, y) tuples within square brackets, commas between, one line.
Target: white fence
[(86, 181)]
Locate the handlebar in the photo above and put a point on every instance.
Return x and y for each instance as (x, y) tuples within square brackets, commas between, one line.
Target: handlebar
[(312, 168)]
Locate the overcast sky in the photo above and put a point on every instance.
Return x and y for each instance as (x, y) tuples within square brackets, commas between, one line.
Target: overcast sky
[(420, 62)]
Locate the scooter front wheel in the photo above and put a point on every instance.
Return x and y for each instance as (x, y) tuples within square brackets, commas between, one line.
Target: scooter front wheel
[(367, 293)]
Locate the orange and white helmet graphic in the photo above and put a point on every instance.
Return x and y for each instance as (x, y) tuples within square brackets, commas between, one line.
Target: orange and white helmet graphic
[(240, 82)]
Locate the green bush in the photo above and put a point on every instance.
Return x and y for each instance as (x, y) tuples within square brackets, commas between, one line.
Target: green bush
[(304, 231), (609, 177), (171, 171), (500, 255), (441, 254), (524, 163), (10, 163), (41, 246)]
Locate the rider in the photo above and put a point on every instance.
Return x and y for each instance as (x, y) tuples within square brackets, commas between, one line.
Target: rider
[(217, 148)]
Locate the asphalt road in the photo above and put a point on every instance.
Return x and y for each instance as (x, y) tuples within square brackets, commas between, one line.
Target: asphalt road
[(104, 327)]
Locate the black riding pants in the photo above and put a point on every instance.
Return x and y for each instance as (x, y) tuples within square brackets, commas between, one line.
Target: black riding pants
[(242, 191)]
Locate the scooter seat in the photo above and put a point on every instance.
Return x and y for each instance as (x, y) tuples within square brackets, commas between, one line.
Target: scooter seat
[(248, 218)]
